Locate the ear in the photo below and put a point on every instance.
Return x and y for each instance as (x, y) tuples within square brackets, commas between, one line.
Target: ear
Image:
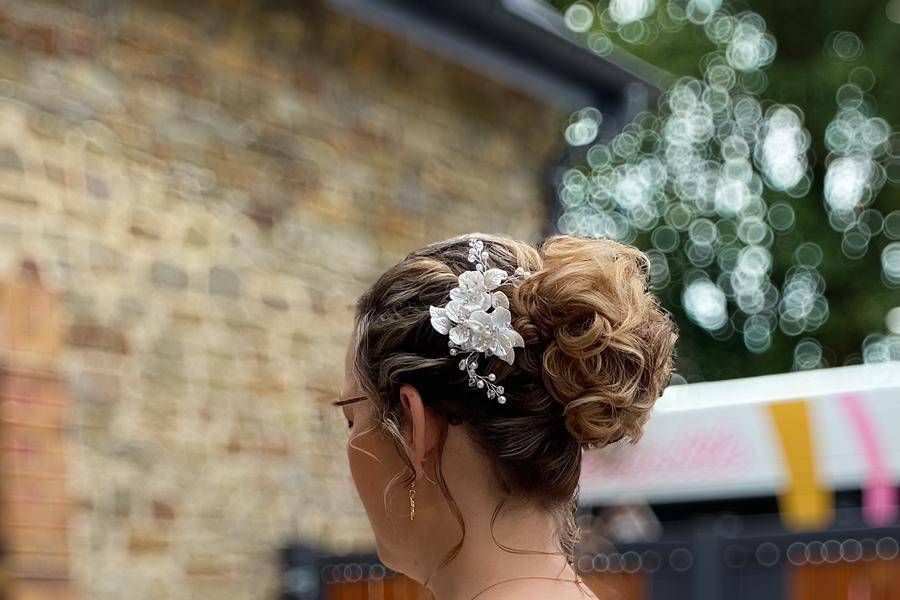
[(423, 425)]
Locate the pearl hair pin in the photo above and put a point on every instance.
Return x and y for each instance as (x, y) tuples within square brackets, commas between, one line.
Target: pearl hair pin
[(477, 319)]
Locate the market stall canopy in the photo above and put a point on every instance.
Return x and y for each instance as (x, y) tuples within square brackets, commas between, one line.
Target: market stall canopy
[(828, 429)]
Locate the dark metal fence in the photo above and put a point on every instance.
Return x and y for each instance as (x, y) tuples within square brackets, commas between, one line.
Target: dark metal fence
[(707, 558), (309, 575), (753, 558)]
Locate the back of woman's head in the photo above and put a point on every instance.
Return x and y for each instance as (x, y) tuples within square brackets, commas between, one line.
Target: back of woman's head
[(598, 352)]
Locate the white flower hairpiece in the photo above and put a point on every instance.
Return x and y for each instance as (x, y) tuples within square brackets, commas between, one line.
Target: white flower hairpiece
[(469, 324)]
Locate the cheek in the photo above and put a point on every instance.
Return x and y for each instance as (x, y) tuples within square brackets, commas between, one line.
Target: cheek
[(372, 464)]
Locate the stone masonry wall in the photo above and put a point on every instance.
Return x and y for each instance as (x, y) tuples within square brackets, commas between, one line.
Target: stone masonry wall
[(208, 186)]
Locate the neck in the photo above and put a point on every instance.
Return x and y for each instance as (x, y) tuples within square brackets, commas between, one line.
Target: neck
[(481, 562)]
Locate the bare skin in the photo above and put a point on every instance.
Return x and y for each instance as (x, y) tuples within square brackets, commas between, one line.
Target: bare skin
[(416, 547)]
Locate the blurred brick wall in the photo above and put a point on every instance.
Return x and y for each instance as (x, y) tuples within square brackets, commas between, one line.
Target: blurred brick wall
[(208, 188)]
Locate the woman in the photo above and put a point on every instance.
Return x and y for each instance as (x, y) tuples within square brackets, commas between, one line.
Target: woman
[(469, 475)]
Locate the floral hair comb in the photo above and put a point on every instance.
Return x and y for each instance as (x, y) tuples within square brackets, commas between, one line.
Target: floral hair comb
[(469, 324)]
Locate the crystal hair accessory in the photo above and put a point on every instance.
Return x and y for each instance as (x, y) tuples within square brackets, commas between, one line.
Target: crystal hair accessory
[(469, 324)]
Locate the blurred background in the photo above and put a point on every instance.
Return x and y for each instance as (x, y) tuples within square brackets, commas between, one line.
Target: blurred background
[(192, 195)]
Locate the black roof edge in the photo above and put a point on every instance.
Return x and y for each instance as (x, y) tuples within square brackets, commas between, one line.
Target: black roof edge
[(523, 43)]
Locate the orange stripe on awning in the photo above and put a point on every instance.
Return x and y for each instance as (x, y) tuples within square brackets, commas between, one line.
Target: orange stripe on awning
[(805, 503)]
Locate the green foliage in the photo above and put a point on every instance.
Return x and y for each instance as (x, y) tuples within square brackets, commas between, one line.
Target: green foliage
[(806, 75)]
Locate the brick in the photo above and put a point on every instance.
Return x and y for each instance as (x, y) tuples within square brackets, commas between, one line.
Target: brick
[(195, 237), (163, 510), (105, 258), (275, 302), (129, 309), (143, 229), (168, 275), (147, 542), (9, 159), (96, 187), (16, 200), (224, 282), (97, 337)]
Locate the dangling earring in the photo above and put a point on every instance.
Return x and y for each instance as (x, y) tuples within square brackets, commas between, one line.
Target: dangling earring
[(412, 501)]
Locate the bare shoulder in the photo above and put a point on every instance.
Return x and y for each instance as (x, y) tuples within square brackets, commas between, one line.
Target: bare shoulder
[(539, 590)]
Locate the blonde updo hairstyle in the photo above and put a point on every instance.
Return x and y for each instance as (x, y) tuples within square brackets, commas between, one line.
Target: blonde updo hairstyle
[(599, 351)]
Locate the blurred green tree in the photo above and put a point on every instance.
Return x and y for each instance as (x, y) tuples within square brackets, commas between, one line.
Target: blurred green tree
[(808, 71)]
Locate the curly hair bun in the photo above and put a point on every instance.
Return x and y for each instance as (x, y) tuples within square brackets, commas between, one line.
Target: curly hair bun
[(609, 345)]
